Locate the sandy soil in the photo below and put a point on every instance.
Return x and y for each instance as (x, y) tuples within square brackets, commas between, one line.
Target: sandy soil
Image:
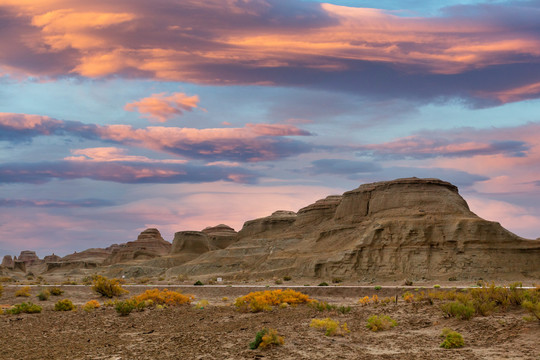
[(220, 332)]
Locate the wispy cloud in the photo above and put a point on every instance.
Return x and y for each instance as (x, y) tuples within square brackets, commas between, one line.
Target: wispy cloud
[(47, 203), (162, 107)]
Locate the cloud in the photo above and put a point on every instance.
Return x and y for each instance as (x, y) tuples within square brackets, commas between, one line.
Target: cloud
[(251, 143), (114, 154), (487, 54), (121, 172), (162, 107), (458, 143), (47, 203)]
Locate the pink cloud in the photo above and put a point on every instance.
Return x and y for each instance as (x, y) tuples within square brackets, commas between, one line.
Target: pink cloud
[(162, 107), (42, 124), (113, 154)]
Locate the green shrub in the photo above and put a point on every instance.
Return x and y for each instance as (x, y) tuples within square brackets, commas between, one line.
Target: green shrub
[(452, 339), (378, 287), (64, 305), (124, 308), (323, 284), (265, 338), (337, 280), (437, 286), (344, 309), (44, 295), (56, 291), (287, 278), (107, 287), (28, 308), (458, 310), (1, 290), (330, 327), (380, 323), (534, 308), (198, 283), (323, 305)]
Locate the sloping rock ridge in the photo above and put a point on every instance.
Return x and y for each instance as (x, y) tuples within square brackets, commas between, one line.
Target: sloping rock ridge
[(405, 228)]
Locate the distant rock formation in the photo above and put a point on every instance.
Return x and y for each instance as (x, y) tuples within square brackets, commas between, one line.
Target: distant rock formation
[(7, 262), (221, 236), (149, 244), (406, 228), (29, 257), (52, 258)]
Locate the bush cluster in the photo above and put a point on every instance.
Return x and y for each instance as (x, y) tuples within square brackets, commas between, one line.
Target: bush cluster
[(91, 305), (107, 287), (265, 338), (164, 297), (380, 323), (330, 327), (64, 305), (23, 292), (452, 339), (56, 291), (264, 300), (28, 308), (44, 295)]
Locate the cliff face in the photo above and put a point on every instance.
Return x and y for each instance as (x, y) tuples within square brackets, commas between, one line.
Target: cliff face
[(410, 228), (149, 244)]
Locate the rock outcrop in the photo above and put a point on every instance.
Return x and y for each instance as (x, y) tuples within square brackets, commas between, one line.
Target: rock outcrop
[(149, 244), (52, 258), (29, 257), (7, 262), (406, 228), (221, 236)]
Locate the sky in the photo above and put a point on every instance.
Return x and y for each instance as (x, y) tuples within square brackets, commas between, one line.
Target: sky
[(182, 114)]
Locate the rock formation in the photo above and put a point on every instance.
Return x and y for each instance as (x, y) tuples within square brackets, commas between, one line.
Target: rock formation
[(52, 258), (29, 257), (149, 244), (7, 262), (406, 228)]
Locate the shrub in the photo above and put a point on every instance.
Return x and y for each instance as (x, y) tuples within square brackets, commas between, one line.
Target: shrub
[(534, 308), (287, 278), (1, 290), (91, 305), (44, 295), (437, 286), (330, 327), (64, 305), (323, 284), (124, 308), (458, 310), (322, 305), (408, 283), (164, 297), (23, 292), (344, 309), (265, 338), (198, 283), (278, 281), (408, 297), (107, 287), (56, 291), (378, 287), (452, 339), (264, 300), (201, 304), (380, 323), (337, 280), (28, 308)]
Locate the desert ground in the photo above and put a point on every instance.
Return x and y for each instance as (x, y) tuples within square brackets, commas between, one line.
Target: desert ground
[(220, 331)]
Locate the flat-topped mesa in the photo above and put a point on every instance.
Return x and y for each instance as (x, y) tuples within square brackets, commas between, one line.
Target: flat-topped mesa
[(29, 257), (318, 212), (401, 197), (221, 236), (278, 221), (149, 244), (51, 258)]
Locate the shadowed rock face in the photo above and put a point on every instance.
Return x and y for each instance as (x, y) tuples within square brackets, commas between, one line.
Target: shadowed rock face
[(414, 228)]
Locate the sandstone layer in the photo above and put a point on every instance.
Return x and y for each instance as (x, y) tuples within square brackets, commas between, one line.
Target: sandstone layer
[(406, 228)]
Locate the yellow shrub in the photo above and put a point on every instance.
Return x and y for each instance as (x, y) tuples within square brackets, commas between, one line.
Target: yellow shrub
[(107, 287), (164, 297), (201, 304), (366, 300), (271, 338), (408, 297), (91, 305), (264, 300), (23, 292), (330, 327)]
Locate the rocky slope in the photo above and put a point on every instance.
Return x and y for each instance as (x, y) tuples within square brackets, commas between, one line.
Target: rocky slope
[(406, 228)]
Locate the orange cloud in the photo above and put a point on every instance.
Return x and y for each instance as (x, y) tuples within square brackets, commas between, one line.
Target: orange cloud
[(160, 107)]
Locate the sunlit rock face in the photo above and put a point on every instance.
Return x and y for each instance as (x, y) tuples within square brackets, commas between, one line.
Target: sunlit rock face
[(405, 228)]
